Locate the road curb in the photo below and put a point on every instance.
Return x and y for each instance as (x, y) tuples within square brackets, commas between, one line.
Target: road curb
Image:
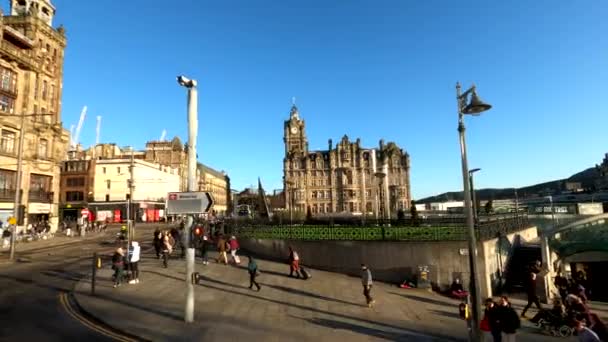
[(86, 313)]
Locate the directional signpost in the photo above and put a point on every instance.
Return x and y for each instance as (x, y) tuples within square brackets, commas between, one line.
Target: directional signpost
[(189, 203)]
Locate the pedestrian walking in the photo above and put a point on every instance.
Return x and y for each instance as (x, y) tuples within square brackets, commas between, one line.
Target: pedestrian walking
[(118, 265), (294, 263), (203, 247), (221, 248), (158, 242), (134, 252), (234, 247), (167, 249), (508, 319), (252, 268), (367, 282), (490, 325), (531, 288)]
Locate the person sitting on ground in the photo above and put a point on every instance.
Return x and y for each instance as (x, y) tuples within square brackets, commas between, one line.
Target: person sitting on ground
[(557, 313), (457, 290)]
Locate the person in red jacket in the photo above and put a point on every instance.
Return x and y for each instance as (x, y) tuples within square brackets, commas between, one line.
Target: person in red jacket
[(234, 247)]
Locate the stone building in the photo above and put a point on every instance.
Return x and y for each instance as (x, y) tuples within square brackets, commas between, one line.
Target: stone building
[(31, 81), (218, 184), (346, 179)]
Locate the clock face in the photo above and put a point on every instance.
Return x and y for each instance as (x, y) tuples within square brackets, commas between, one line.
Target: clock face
[(294, 130)]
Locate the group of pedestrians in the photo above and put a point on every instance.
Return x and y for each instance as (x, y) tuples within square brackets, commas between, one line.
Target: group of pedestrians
[(122, 263), (164, 243)]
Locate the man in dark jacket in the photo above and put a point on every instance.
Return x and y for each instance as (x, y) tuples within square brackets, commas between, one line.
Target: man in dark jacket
[(507, 319), (531, 288)]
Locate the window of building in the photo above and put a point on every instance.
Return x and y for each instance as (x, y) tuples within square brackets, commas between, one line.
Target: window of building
[(107, 198), (74, 196), (44, 90), (40, 185), (7, 141), (108, 183), (75, 181), (43, 148), (104, 170), (8, 179), (118, 169), (36, 87), (7, 104), (52, 92), (8, 80)]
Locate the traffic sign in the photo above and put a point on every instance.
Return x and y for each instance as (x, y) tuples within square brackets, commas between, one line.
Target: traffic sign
[(183, 203), (12, 221), (84, 212)]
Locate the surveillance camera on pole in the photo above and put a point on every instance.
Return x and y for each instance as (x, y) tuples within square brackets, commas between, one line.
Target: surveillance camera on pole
[(186, 82)]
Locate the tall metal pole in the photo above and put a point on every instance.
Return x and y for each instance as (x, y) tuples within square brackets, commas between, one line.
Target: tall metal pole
[(18, 187), (474, 285), (473, 199), (192, 136), (131, 226)]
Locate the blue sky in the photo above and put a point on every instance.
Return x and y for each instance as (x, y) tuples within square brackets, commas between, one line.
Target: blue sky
[(369, 69)]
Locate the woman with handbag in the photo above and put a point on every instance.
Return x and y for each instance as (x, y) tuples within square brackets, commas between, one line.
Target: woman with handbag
[(252, 267)]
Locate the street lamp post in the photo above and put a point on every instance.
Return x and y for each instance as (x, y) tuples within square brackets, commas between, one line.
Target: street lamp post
[(192, 136), (19, 177), (474, 107), (473, 199)]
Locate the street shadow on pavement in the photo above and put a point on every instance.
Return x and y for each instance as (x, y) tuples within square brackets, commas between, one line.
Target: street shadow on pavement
[(151, 308), (265, 271), (308, 308), (446, 314), (418, 298), (338, 325), (309, 294)]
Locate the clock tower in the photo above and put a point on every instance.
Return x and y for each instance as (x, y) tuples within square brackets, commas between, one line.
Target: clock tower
[(294, 134)]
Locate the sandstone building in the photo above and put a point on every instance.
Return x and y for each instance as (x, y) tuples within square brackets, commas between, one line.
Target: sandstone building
[(97, 179), (31, 81), (346, 179)]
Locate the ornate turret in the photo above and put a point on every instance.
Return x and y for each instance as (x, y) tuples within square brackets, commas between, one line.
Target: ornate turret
[(42, 9)]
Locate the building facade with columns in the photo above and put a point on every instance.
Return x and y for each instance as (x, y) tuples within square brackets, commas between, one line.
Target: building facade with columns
[(31, 81), (346, 179)]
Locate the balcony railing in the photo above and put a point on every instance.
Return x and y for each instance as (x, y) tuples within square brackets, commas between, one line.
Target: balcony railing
[(7, 194), (40, 196)]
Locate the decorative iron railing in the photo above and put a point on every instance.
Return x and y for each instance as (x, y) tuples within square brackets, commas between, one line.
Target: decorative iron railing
[(485, 231)]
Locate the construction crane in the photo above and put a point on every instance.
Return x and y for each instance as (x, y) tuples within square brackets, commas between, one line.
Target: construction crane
[(163, 135), (97, 130), (83, 114)]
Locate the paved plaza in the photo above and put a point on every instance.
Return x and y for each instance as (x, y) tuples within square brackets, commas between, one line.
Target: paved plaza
[(325, 308)]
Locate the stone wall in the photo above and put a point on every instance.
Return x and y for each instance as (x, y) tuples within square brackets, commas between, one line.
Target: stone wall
[(393, 261), (389, 261)]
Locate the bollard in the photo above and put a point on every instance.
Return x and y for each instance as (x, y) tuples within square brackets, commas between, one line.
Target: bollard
[(96, 263)]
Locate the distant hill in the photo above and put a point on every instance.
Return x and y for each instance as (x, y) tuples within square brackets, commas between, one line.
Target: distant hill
[(586, 178)]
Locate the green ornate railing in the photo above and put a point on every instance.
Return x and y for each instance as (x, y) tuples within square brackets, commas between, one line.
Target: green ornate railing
[(485, 231)]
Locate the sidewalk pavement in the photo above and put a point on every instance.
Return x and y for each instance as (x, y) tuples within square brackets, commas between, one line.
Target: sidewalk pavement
[(326, 307)]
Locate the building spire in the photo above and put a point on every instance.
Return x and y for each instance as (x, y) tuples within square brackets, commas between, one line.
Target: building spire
[(294, 110)]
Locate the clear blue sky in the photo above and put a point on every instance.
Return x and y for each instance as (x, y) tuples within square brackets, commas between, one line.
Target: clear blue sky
[(370, 69)]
